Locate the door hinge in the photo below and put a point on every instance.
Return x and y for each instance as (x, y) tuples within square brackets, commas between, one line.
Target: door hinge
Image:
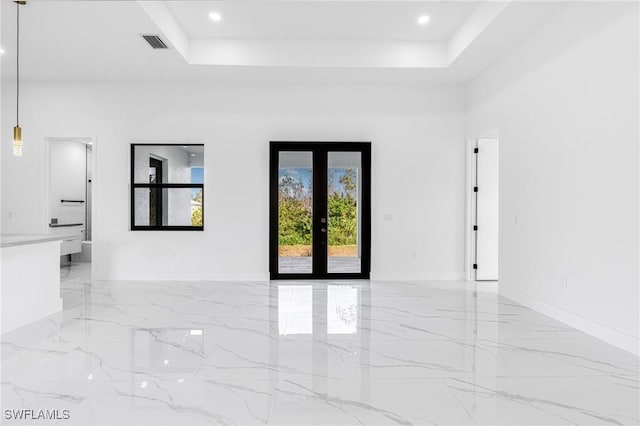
[(475, 227), (475, 189), (475, 150), (475, 266)]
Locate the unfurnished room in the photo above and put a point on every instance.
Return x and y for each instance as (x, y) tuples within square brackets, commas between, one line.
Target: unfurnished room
[(319, 212)]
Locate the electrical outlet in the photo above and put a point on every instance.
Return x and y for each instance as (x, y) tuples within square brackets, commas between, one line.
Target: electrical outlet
[(413, 254)]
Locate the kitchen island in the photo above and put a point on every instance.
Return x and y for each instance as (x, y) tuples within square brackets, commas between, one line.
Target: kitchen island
[(30, 273)]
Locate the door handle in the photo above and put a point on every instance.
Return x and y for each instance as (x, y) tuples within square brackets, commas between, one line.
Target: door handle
[(323, 229)]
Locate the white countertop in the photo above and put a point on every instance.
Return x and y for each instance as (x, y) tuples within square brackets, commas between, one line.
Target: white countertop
[(11, 240)]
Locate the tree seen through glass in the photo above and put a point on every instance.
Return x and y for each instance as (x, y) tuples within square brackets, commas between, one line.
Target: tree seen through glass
[(295, 202)]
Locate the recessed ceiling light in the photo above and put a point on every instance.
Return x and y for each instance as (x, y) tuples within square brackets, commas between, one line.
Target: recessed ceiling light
[(1, 51), (423, 20), (215, 16)]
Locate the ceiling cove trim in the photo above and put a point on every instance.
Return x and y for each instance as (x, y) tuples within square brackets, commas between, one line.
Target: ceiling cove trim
[(324, 53)]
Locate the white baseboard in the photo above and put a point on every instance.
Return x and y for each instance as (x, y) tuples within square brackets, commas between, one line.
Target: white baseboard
[(446, 276), (442, 276), (605, 333), (187, 277)]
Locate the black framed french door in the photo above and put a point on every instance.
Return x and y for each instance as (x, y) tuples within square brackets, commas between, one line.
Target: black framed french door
[(320, 210)]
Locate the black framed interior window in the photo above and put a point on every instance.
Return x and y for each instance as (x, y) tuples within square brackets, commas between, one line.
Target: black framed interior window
[(167, 187)]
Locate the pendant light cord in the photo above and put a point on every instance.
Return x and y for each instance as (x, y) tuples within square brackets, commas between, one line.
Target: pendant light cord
[(18, 65)]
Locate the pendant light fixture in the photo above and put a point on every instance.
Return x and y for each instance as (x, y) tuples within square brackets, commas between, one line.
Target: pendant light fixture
[(17, 130)]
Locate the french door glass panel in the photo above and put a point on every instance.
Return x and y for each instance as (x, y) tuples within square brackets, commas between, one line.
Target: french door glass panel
[(295, 212), (344, 171)]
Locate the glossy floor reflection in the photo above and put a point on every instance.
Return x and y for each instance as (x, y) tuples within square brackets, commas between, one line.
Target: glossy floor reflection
[(323, 352)]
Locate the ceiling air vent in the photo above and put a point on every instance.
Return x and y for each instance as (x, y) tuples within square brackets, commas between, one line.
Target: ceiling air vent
[(155, 41)]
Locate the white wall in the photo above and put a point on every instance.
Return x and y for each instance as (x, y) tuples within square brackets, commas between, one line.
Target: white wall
[(417, 136), (566, 105)]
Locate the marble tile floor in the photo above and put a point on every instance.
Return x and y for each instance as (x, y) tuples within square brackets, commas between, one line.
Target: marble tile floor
[(71, 275), (301, 352)]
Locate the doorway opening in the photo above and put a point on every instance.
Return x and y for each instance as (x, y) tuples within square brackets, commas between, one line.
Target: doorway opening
[(320, 210), (155, 194), (485, 215), (69, 187)]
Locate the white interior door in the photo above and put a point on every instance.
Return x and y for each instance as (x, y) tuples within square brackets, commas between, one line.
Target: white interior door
[(487, 183)]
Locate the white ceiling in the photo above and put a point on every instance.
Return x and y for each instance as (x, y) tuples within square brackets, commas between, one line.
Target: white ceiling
[(82, 40), (343, 20), (364, 41)]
